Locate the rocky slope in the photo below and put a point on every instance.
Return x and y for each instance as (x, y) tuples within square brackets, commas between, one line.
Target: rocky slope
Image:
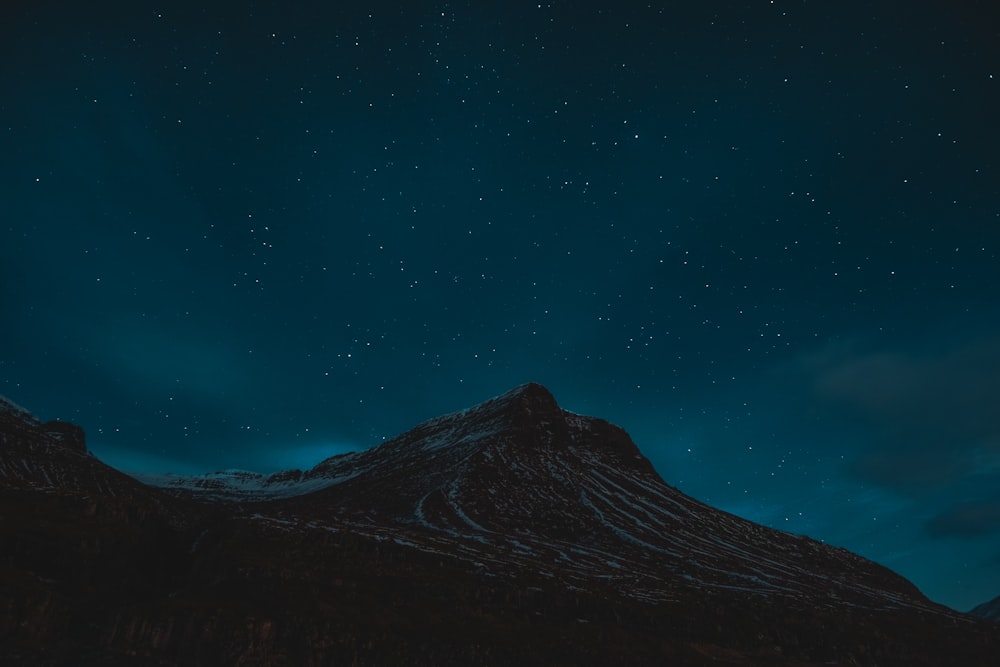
[(511, 532)]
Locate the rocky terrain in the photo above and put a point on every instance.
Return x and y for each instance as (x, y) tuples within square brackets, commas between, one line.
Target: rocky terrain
[(513, 532)]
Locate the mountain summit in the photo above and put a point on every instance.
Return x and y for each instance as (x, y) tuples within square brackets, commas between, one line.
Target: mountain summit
[(510, 532), (518, 482)]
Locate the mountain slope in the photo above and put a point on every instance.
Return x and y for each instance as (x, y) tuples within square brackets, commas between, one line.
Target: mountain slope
[(513, 532), (552, 490), (51, 456), (990, 610)]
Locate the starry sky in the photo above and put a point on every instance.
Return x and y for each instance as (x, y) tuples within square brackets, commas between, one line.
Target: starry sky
[(761, 236)]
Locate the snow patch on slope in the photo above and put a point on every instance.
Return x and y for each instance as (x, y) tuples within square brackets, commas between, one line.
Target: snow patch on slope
[(243, 485)]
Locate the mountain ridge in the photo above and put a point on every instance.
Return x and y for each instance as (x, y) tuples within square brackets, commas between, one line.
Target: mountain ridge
[(989, 609), (511, 516)]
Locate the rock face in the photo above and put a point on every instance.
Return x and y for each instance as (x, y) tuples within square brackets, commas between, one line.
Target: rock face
[(513, 532)]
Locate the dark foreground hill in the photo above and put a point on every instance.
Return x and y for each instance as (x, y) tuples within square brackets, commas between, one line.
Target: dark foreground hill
[(510, 533)]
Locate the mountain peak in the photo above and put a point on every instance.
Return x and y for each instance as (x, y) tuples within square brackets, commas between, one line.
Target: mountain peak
[(530, 391), (529, 398), (526, 408)]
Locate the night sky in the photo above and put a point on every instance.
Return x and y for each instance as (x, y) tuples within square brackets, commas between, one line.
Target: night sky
[(764, 237)]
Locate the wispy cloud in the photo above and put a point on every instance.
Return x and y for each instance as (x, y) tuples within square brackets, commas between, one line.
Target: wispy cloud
[(966, 520), (928, 412)]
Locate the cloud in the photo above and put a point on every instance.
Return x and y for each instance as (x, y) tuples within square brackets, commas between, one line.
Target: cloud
[(906, 470), (926, 415), (966, 520), (954, 388)]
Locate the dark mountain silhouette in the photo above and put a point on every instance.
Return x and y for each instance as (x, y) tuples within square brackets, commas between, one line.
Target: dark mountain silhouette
[(990, 610), (513, 532)]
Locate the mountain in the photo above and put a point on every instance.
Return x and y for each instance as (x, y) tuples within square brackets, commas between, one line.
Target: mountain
[(990, 610), (513, 532)]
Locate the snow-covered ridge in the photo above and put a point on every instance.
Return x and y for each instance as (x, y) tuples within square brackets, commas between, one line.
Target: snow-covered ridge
[(990, 610), (9, 406), (233, 484), (462, 429), (247, 486)]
